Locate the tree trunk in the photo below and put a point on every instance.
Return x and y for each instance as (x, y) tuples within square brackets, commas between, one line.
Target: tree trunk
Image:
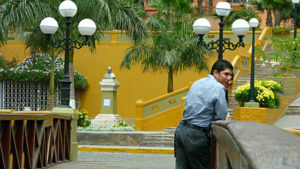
[(71, 73), (200, 6), (170, 80), (210, 5), (277, 18), (269, 21), (51, 103), (141, 2)]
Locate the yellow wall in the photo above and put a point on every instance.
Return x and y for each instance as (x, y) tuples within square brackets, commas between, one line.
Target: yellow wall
[(134, 84)]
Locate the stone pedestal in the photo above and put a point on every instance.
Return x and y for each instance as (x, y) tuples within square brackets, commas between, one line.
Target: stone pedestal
[(105, 120), (108, 115)]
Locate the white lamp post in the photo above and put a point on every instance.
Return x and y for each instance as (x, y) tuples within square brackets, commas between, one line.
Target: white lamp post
[(86, 27), (202, 26)]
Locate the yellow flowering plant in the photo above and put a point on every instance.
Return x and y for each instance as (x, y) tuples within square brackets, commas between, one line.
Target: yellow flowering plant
[(120, 124), (82, 118), (265, 92)]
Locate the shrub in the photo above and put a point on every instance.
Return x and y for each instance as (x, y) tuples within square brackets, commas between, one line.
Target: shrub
[(82, 118), (284, 75), (36, 68), (265, 93), (280, 30), (80, 80), (121, 124)]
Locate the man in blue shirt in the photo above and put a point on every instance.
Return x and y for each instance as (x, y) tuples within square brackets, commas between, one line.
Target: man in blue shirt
[(205, 102)]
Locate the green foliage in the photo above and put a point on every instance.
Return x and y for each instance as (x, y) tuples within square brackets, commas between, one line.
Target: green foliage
[(80, 80), (284, 51), (82, 118), (265, 93), (284, 6), (37, 68), (120, 124), (284, 75), (241, 12), (280, 30)]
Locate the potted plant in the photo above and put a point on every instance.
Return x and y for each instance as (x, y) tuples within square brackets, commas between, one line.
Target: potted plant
[(265, 92)]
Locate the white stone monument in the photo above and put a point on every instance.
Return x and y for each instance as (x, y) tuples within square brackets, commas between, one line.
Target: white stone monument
[(108, 115)]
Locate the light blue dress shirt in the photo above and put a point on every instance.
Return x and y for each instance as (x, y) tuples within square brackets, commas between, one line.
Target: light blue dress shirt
[(205, 102)]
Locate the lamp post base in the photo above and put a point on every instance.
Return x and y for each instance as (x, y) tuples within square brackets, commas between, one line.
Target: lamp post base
[(252, 104), (65, 92)]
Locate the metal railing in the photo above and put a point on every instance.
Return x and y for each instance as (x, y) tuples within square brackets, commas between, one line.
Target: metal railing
[(23, 95)]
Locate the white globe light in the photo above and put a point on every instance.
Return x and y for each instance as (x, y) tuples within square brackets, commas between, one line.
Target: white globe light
[(87, 27), (223, 9), (253, 22), (201, 26), (295, 1), (67, 8), (240, 27), (49, 25)]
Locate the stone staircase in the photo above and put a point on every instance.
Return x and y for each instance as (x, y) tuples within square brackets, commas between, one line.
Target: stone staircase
[(165, 140), (294, 107)]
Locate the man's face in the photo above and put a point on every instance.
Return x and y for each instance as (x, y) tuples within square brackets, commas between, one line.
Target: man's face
[(224, 77)]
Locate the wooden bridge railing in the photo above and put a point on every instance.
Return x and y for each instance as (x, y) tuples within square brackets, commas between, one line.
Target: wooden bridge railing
[(252, 145), (34, 140)]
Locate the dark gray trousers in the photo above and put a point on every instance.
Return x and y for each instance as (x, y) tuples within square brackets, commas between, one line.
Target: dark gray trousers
[(192, 148)]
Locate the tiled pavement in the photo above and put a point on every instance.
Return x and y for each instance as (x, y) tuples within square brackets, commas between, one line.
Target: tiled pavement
[(103, 160)]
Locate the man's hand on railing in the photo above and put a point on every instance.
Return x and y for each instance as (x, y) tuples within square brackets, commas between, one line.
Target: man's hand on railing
[(228, 117)]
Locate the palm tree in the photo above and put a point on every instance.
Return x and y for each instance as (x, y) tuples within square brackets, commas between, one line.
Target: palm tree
[(200, 7), (20, 15), (174, 46), (271, 5)]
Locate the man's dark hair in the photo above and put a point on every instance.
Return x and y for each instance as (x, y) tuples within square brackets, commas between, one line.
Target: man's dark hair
[(221, 65)]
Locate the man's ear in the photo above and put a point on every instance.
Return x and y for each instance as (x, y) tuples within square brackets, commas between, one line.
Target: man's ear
[(215, 73)]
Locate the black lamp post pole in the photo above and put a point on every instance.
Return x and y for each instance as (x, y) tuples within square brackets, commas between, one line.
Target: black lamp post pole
[(295, 20), (252, 67), (221, 44), (65, 82)]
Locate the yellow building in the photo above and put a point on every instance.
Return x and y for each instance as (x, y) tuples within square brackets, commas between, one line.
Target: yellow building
[(134, 84)]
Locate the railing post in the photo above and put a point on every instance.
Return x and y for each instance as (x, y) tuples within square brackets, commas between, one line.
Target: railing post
[(139, 115), (74, 143)]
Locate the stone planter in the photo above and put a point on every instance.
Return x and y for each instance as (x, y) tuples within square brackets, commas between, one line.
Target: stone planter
[(262, 115), (288, 85), (296, 72), (293, 71)]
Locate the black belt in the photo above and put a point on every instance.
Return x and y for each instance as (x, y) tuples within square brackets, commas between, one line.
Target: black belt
[(203, 129)]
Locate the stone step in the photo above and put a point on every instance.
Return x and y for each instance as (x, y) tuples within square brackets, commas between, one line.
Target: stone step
[(170, 130), (293, 110), (131, 138), (158, 140)]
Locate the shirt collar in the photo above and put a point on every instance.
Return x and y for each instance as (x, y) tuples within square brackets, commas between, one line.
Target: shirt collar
[(213, 78)]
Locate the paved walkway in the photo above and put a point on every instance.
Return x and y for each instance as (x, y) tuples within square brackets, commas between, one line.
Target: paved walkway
[(296, 102), (103, 160), (290, 121)]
